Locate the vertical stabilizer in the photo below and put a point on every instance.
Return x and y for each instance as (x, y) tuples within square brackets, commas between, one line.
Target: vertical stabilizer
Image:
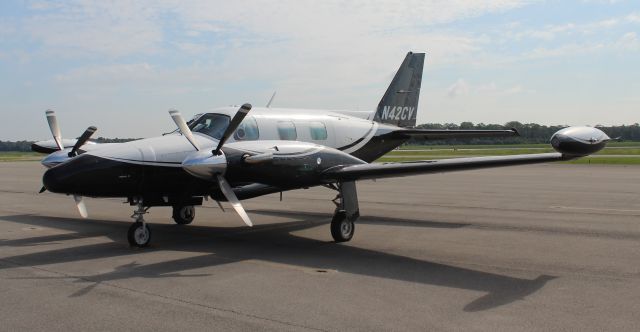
[(399, 105)]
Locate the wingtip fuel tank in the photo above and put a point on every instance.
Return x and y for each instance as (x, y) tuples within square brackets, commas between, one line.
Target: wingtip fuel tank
[(579, 141)]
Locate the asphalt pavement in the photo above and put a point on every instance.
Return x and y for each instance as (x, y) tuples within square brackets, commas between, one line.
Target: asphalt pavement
[(544, 247)]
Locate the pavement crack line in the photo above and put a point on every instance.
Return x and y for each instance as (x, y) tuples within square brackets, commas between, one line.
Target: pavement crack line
[(164, 297)]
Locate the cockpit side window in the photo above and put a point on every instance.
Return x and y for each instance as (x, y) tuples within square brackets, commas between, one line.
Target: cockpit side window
[(247, 130), (211, 124)]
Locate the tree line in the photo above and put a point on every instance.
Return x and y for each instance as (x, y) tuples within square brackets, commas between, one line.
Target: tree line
[(24, 146), (529, 133)]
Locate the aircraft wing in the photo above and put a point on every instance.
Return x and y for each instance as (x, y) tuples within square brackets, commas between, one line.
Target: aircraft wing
[(461, 133), (387, 170)]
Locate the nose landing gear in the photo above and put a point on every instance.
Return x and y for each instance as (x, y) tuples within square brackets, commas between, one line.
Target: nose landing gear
[(139, 234)]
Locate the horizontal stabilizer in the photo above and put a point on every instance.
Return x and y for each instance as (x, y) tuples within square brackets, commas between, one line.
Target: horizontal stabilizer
[(448, 134)]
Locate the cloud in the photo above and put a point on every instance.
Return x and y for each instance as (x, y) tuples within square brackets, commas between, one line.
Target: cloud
[(628, 41), (633, 18), (80, 28), (459, 88), (126, 28), (554, 31), (108, 73)]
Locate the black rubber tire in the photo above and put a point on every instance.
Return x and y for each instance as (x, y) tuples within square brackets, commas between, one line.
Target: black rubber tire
[(136, 238), (184, 214), (342, 229)]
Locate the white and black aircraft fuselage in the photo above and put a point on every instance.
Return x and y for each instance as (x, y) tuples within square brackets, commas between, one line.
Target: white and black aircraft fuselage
[(231, 154)]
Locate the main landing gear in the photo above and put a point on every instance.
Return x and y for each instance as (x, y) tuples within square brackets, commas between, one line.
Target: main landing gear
[(139, 234), (347, 212), (183, 214)]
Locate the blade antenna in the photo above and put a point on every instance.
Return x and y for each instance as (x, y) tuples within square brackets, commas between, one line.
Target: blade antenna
[(271, 99)]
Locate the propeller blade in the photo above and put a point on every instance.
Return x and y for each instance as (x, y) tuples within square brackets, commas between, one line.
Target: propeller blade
[(235, 202), (233, 125), (55, 130), (184, 129), (82, 140), (81, 207), (43, 189)]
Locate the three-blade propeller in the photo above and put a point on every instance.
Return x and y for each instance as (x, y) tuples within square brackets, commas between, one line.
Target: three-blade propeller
[(212, 167), (58, 156)]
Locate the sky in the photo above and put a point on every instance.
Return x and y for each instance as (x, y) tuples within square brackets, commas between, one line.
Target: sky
[(121, 65)]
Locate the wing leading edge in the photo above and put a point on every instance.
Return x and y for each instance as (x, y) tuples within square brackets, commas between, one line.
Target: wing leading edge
[(387, 170)]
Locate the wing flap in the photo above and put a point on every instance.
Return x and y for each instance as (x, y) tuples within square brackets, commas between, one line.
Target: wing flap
[(386, 170)]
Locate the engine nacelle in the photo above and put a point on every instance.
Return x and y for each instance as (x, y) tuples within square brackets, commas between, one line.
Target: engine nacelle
[(579, 141)]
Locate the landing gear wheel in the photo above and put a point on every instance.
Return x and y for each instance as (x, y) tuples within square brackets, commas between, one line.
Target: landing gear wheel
[(183, 215), (139, 235), (342, 229)]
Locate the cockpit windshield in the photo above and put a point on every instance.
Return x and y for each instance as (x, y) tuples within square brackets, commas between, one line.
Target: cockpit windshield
[(211, 124)]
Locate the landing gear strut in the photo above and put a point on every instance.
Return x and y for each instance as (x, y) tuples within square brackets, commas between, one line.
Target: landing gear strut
[(139, 234), (183, 214), (347, 212)]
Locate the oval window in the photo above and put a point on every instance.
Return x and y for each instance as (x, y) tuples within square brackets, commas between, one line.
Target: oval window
[(318, 131), (287, 130)]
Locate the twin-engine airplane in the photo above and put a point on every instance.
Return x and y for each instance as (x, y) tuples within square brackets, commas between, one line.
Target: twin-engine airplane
[(231, 155)]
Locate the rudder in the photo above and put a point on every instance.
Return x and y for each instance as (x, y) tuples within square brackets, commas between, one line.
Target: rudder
[(399, 105)]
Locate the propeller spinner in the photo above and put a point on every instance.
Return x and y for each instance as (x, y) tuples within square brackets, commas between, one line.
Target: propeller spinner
[(212, 165)]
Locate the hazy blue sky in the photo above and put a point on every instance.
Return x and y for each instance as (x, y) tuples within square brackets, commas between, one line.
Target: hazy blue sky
[(120, 65)]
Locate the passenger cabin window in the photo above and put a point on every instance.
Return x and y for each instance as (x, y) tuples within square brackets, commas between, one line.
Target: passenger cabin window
[(287, 131), (318, 131), (248, 130), (211, 124)]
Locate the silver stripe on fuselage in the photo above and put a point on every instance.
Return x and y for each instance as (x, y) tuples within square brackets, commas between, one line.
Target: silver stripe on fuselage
[(305, 153), (371, 133), (142, 162)]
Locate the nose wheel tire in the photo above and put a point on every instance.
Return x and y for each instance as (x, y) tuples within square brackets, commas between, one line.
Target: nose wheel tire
[(342, 229), (183, 215), (139, 235)]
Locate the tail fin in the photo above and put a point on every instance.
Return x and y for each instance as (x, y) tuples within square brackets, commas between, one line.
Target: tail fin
[(399, 104)]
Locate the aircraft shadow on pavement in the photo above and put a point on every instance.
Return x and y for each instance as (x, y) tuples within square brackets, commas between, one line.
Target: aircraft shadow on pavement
[(270, 243), (366, 220)]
